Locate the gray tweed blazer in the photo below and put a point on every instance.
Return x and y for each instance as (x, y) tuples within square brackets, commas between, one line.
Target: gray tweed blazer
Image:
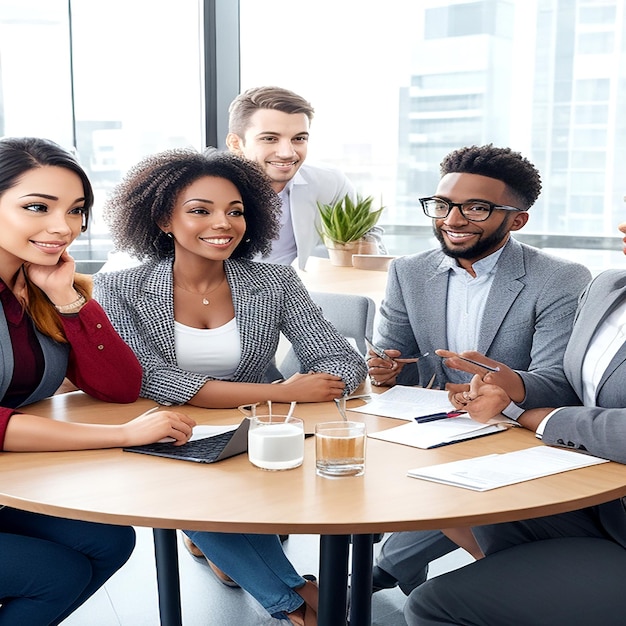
[(268, 300), (527, 321)]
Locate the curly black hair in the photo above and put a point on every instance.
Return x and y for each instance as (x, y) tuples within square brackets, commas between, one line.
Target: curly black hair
[(146, 197), (514, 170)]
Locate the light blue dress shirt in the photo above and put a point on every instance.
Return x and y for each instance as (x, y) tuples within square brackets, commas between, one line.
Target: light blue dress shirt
[(467, 296)]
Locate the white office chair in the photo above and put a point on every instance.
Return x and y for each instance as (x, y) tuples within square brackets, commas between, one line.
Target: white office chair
[(352, 315)]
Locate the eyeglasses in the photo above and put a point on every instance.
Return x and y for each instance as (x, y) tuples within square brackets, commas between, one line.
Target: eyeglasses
[(472, 210)]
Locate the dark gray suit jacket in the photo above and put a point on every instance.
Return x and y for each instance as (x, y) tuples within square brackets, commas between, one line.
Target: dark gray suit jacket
[(527, 321)]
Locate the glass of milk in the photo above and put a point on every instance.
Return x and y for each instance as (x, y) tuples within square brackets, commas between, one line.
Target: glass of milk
[(276, 442)]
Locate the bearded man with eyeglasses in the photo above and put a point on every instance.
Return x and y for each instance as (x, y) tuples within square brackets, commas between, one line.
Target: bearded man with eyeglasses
[(482, 295)]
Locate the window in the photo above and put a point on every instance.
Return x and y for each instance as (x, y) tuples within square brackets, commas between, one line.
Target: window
[(596, 43), (410, 82), (99, 78), (396, 85)]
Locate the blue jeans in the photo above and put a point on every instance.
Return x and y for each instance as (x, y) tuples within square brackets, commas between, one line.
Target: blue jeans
[(257, 564), (49, 566)]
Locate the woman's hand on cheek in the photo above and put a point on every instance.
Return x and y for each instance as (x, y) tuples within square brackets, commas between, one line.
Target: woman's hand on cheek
[(56, 281)]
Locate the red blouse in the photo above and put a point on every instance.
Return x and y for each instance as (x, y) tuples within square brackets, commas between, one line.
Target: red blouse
[(100, 363)]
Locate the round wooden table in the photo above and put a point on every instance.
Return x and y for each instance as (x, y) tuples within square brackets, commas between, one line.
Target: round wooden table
[(119, 487)]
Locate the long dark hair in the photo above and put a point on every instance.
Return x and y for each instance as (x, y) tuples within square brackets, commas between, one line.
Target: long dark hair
[(19, 155)]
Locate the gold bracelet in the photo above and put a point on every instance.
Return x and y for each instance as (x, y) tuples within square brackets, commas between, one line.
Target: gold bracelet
[(72, 307)]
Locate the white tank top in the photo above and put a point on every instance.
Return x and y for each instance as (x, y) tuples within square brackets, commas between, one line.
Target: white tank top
[(215, 352)]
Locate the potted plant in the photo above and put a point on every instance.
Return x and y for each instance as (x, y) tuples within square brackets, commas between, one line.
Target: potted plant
[(344, 227)]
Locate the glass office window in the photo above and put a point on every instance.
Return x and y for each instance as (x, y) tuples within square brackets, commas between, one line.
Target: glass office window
[(113, 80), (35, 77), (596, 43), (598, 13), (591, 114), (138, 86), (409, 81)]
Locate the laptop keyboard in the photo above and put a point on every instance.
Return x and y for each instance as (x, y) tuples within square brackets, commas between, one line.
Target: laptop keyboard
[(207, 449)]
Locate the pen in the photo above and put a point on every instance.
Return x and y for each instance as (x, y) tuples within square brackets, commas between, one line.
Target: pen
[(438, 416), (379, 352), (487, 367)]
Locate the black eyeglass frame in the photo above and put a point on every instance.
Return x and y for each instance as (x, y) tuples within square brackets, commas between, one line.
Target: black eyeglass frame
[(492, 206)]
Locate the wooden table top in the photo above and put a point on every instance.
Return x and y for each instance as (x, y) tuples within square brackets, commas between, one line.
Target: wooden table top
[(321, 275), (125, 488)]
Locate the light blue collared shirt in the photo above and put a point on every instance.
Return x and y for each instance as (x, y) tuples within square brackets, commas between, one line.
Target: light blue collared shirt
[(467, 297)]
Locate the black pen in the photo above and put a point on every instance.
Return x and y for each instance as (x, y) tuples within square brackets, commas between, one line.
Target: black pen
[(487, 367), (464, 358), (438, 416)]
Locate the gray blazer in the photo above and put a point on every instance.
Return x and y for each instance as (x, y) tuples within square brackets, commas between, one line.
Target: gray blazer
[(55, 356), (599, 430), (527, 321), (268, 300)]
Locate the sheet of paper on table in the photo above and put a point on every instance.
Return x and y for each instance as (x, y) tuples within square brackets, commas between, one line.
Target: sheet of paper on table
[(405, 403), (440, 432), (200, 431), (498, 470)]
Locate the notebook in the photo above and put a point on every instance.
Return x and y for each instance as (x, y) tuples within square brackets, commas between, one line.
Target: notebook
[(206, 450), (440, 432)]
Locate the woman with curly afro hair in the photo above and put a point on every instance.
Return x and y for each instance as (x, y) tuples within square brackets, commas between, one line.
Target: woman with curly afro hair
[(205, 321)]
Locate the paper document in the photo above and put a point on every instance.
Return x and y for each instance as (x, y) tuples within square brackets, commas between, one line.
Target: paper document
[(498, 470), (437, 433), (405, 403), (201, 431)]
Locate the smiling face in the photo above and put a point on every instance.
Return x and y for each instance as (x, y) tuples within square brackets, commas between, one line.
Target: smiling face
[(471, 241), (277, 141), (207, 220), (39, 217)]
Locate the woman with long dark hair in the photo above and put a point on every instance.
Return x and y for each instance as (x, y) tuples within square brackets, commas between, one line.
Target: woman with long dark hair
[(50, 328)]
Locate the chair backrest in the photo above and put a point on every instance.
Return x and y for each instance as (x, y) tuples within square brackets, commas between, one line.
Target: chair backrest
[(352, 315)]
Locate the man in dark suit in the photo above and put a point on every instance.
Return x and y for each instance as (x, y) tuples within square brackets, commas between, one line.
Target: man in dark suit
[(483, 294), (565, 569)]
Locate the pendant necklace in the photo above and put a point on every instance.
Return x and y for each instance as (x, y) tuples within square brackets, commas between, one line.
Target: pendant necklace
[(205, 300)]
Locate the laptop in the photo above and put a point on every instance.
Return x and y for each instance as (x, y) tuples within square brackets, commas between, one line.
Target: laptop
[(206, 450)]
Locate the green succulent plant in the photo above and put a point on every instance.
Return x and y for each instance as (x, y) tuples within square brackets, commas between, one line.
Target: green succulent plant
[(346, 220)]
